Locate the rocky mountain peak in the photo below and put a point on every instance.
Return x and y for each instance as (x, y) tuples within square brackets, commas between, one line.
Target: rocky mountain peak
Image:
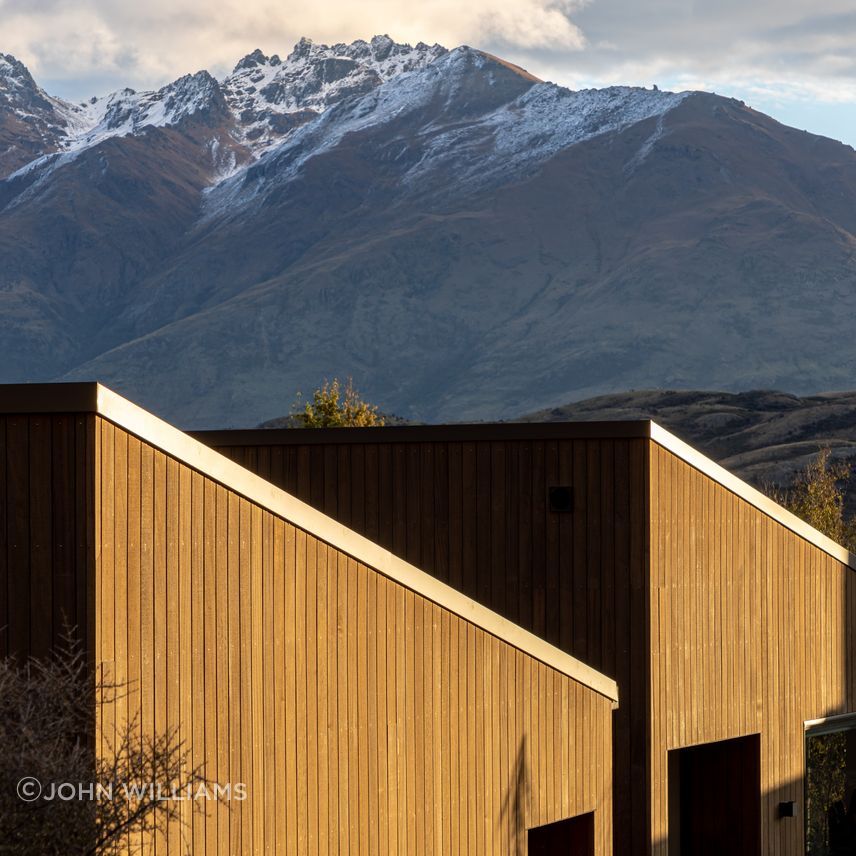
[(302, 49), (31, 122), (270, 97), (388, 56), (17, 87), (14, 73), (191, 96), (382, 46), (251, 60), (195, 98)]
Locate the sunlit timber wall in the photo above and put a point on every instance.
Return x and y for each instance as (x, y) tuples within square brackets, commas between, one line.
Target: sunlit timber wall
[(361, 716), (752, 632)]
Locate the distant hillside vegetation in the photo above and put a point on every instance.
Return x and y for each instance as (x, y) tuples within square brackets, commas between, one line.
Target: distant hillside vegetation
[(762, 436)]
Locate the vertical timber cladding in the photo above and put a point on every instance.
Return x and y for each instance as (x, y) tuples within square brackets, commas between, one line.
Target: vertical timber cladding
[(46, 510), (469, 504), (363, 717), (751, 632)]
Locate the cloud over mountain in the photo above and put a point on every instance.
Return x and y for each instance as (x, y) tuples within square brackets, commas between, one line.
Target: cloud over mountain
[(100, 42), (605, 40)]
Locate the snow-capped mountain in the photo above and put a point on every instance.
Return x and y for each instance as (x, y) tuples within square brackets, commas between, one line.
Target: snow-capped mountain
[(463, 238), (483, 120), (252, 109)]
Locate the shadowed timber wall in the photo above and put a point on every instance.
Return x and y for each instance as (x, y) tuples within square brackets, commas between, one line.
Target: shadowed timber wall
[(46, 547)]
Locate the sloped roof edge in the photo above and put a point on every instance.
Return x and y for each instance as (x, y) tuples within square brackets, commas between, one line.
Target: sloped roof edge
[(96, 398), (753, 496)]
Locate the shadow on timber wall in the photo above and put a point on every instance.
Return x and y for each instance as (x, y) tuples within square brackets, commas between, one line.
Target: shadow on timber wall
[(514, 803)]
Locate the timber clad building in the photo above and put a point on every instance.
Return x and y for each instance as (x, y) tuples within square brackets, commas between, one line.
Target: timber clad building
[(412, 640), (368, 707), (727, 622)]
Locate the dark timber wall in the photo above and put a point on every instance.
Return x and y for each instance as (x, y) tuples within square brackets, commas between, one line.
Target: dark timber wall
[(469, 504), (46, 548)]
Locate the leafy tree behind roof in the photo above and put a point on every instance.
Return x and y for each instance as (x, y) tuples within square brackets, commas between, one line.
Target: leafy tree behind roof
[(818, 495), (336, 406)]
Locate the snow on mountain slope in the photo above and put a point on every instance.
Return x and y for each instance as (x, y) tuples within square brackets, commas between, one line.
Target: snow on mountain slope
[(534, 127), (193, 103), (258, 105), (466, 113), (269, 105), (194, 96), (66, 130)]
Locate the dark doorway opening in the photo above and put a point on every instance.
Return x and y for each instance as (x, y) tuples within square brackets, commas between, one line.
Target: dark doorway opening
[(715, 798), (573, 836)]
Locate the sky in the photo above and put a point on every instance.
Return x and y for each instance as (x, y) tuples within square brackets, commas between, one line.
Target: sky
[(793, 59)]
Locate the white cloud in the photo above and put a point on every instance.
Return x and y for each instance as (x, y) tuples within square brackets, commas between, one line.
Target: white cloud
[(146, 44), (780, 51), (530, 24)]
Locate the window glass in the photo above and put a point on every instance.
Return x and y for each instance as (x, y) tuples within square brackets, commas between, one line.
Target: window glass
[(830, 795)]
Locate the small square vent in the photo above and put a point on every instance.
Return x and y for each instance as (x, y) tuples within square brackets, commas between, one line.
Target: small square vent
[(788, 809), (561, 498)]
